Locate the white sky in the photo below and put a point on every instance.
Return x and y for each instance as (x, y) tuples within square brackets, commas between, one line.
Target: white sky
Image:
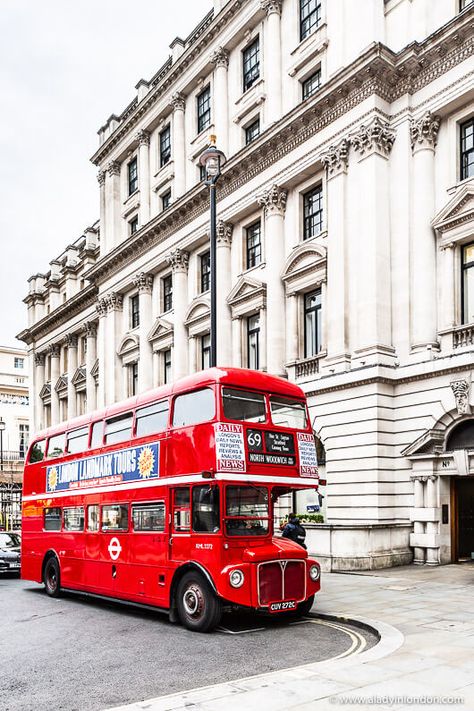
[(65, 66)]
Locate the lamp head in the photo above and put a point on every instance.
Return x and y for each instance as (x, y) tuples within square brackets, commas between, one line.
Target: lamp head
[(213, 160)]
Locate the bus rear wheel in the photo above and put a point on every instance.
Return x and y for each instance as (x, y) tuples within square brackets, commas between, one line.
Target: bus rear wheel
[(199, 608), (51, 577)]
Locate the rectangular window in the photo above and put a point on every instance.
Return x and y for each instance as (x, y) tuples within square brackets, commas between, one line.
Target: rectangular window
[(56, 445), (467, 149), (149, 517), (133, 372), (313, 212), (77, 440), (118, 429), (206, 517), (152, 419), (204, 109), (37, 452), (251, 63), (312, 323), (468, 283), (97, 434), (133, 226), (93, 517), (254, 244), (202, 173), (115, 518), (253, 345), (310, 17), (205, 351), (19, 363), (165, 146), (74, 518), (181, 510), (134, 311), (247, 512), (205, 261), (166, 200), (464, 3), (52, 519), (167, 285), (167, 366), (311, 84), (192, 408), (132, 176), (288, 413), (252, 131), (24, 432), (243, 405)]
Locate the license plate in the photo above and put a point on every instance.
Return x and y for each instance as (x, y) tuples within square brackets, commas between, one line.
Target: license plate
[(14, 565), (286, 606)]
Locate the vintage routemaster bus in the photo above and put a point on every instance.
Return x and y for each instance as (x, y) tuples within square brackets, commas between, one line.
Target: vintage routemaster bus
[(167, 499)]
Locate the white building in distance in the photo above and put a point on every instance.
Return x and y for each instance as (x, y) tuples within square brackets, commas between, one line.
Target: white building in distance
[(345, 252)]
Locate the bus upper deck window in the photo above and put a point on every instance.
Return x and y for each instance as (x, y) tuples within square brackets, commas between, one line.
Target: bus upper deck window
[(77, 440), (97, 434), (243, 405), (288, 413), (37, 451), (152, 419), (118, 429), (56, 445), (193, 408)]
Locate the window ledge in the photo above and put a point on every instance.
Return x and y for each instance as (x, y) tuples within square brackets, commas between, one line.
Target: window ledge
[(262, 265), (163, 176), (201, 141), (248, 101), (131, 203), (308, 49)]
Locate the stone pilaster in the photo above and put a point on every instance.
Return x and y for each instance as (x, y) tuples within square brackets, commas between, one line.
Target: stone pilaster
[(224, 319), (102, 202), (90, 331), (220, 60), (113, 331), (38, 418), (54, 351), (71, 343), (143, 138), (272, 58), (178, 103), (178, 259), (112, 205), (144, 283), (101, 309)]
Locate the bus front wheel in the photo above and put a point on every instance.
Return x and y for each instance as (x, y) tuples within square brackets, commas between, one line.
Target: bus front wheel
[(199, 608), (51, 577)]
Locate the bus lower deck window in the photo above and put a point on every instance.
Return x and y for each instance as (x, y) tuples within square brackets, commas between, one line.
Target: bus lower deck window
[(149, 517), (206, 509), (52, 519), (93, 517), (74, 518), (115, 517)]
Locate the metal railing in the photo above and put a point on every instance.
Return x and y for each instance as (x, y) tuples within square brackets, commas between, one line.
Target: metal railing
[(11, 455)]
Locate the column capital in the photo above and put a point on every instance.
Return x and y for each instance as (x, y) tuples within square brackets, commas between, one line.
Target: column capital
[(224, 232), (143, 282), (54, 350), (271, 6), (101, 306), (460, 390), (220, 57), (90, 329), (424, 131), (113, 167), (114, 301), (376, 137), (178, 260), (70, 340), (101, 177), (336, 158), (39, 359), (143, 137), (273, 200), (178, 101)]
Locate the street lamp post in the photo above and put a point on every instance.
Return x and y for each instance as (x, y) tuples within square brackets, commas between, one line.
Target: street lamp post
[(213, 160), (2, 429)]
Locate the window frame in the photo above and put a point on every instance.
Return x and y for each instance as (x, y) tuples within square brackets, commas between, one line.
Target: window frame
[(133, 225), (143, 505), (74, 530), (84, 428), (205, 347), (167, 364), (305, 82), (134, 304), (133, 375), (52, 437), (317, 310), (205, 274), (173, 424), (165, 200), (113, 530), (132, 175), (464, 268), (115, 418), (250, 64), (139, 416), (203, 113), (250, 134), (309, 219), (251, 249), (251, 332), (309, 22), (165, 145), (465, 154)]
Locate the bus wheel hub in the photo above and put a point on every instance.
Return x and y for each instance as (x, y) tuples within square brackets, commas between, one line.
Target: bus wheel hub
[(193, 600)]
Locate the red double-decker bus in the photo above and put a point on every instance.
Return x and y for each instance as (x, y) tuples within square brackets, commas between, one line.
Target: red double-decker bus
[(167, 499)]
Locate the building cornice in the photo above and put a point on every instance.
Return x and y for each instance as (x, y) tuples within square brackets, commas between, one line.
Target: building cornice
[(379, 71)]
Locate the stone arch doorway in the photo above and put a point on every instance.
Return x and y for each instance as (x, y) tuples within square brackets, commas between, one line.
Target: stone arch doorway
[(460, 443)]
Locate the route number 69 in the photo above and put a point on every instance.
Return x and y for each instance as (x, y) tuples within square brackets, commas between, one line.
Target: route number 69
[(254, 439)]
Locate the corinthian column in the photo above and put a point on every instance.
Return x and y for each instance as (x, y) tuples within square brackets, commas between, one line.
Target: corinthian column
[(179, 261), (103, 229), (424, 133), (112, 204), (90, 329), (144, 283), (220, 60), (113, 364), (54, 352), (335, 160), (272, 59), (179, 151), (101, 308), (224, 318), (38, 419), (273, 201), (143, 138), (71, 343)]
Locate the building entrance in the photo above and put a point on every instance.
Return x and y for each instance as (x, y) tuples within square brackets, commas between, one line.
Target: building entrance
[(464, 493)]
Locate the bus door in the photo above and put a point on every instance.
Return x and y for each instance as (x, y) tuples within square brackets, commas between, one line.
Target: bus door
[(114, 544), (92, 545), (148, 552), (180, 527)]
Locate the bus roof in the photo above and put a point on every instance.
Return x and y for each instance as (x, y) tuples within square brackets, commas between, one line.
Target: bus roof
[(238, 377)]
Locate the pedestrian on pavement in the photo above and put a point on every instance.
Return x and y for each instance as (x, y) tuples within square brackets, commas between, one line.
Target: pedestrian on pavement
[(294, 530)]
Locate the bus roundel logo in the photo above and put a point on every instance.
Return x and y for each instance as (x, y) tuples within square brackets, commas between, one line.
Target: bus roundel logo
[(114, 548)]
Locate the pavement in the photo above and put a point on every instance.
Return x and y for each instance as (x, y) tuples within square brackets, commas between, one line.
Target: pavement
[(423, 616)]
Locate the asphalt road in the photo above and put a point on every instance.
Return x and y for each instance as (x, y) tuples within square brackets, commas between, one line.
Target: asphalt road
[(78, 654)]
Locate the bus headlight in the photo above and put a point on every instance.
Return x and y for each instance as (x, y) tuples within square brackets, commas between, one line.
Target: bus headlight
[(314, 573), (236, 578)]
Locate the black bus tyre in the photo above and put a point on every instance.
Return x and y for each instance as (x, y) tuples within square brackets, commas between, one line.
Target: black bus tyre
[(51, 577), (199, 609)]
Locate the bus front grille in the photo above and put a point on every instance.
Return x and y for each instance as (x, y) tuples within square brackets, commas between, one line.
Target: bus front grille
[(281, 580)]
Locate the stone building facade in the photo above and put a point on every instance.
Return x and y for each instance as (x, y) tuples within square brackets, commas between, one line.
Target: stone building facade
[(344, 250)]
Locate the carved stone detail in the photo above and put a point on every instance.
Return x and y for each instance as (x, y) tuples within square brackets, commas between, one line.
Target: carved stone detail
[(113, 167), (143, 137), (101, 178), (273, 200), (271, 6), (376, 136), (70, 340), (101, 307), (220, 57), (224, 233), (178, 260), (114, 301), (39, 359), (178, 102), (54, 350), (143, 282), (424, 132), (460, 389), (90, 329), (336, 158)]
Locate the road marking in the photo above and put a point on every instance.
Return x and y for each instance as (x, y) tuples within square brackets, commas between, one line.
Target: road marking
[(114, 548), (225, 630)]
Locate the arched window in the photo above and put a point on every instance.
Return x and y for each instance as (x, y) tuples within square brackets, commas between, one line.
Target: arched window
[(461, 437)]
